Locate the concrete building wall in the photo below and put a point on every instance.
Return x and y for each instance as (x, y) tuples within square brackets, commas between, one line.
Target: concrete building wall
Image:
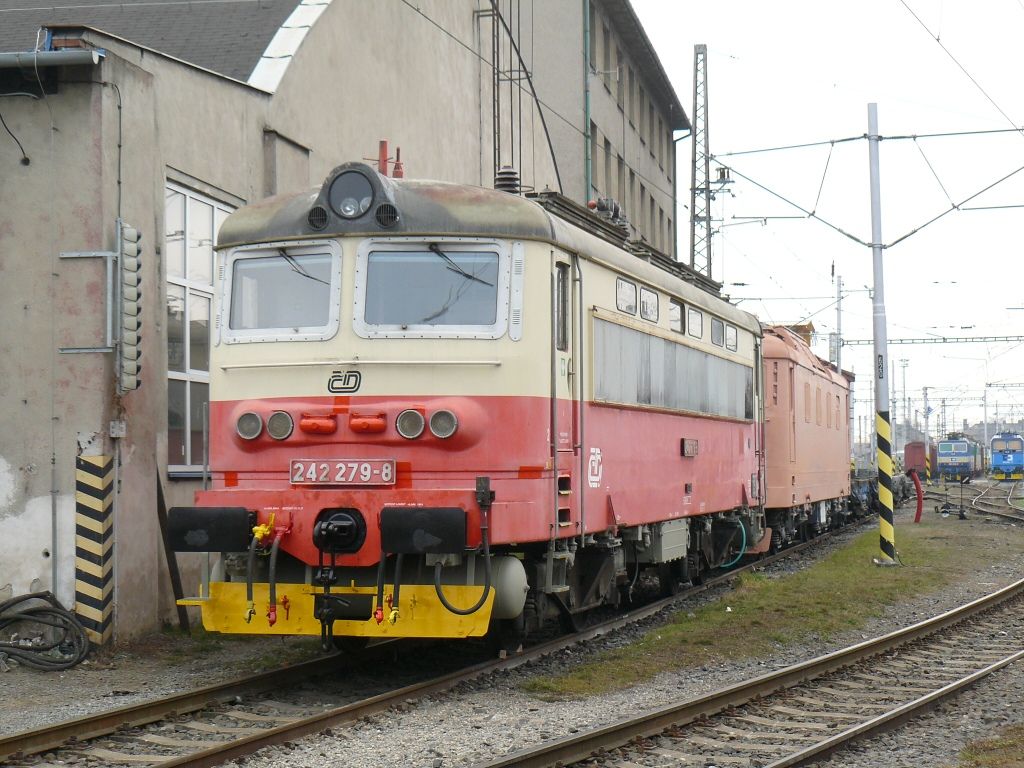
[(620, 97), (365, 72)]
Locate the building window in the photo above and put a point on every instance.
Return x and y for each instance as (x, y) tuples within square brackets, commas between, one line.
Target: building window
[(607, 187), (642, 109), (650, 126), (593, 37), (619, 77), (632, 97), (606, 53), (191, 225)]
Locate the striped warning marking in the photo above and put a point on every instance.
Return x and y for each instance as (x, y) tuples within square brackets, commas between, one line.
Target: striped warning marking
[(887, 536), (94, 545)]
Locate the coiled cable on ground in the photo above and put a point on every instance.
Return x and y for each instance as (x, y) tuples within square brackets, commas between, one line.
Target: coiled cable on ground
[(66, 645)]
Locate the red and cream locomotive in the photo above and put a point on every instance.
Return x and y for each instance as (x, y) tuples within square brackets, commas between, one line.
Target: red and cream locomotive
[(439, 410)]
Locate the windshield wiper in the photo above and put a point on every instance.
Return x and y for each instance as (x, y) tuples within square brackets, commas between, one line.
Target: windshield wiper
[(297, 268), (434, 247)]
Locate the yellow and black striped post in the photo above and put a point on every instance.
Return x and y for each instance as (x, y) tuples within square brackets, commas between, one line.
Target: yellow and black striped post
[(94, 545), (886, 531), (927, 464)]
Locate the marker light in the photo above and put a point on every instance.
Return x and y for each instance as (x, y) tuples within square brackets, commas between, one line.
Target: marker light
[(409, 424), (249, 425), (443, 424), (280, 425)]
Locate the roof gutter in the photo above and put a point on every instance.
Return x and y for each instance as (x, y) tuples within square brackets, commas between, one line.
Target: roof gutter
[(61, 58)]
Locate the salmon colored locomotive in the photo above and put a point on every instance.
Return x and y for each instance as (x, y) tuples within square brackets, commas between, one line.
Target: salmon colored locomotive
[(440, 410)]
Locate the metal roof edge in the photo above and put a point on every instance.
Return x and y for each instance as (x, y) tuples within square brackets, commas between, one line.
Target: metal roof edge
[(154, 51), (623, 12)]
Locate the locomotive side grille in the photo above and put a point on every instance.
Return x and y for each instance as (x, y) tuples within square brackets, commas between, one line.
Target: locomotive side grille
[(387, 215), (317, 217)]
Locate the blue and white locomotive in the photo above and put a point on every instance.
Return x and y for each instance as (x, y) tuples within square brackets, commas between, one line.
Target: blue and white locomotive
[(1007, 452), (959, 458)]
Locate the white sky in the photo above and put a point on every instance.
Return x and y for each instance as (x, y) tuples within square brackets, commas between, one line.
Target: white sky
[(796, 71)]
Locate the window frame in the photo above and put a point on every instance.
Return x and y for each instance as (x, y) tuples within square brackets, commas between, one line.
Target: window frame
[(657, 304), (720, 325), (495, 330), (690, 312), (729, 327), (192, 465), (304, 333), (621, 282), (675, 303)]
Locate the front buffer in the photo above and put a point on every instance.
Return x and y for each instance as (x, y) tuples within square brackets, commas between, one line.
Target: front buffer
[(427, 581)]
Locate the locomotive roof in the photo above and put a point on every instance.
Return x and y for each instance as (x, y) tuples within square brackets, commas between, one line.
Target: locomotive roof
[(436, 208), (781, 342)]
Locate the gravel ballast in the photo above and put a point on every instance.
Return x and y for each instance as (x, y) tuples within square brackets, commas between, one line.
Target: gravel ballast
[(493, 716)]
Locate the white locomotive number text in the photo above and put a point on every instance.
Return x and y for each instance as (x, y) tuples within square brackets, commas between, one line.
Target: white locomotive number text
[(343, 472)]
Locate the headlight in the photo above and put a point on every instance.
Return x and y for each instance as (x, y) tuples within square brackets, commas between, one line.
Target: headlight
[(249, 425), (409, 424), (443, 424), (351, 195), (280, 425)]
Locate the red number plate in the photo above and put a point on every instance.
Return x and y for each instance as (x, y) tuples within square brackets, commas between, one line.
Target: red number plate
[(343, 472)]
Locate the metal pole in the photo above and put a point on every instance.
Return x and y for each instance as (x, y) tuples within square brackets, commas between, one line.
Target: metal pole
[(883, 433), (984, 401), (927, 440)]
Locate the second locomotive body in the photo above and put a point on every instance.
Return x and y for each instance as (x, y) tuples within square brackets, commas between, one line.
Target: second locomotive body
[(439, 410), (807, 438), (1007, 456)]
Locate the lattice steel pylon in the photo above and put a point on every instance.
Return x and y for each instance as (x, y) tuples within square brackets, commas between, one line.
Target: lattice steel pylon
[(700, 179)]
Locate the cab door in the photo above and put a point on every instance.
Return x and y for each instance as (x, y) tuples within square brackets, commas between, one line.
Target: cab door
[(566, 391)]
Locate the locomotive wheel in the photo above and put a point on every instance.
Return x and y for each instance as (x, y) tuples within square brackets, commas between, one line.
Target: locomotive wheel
[(668, 579), (506, 636)]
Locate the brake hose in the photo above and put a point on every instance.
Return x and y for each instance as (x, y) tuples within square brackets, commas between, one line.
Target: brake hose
[(250, 574), (487, 574), (69, 644)]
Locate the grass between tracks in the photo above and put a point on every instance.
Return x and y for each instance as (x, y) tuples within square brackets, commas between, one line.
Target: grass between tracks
[(1003, 751), (838, 594)]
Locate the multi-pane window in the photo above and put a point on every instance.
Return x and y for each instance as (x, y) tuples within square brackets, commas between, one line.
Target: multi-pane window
[(191, 225)]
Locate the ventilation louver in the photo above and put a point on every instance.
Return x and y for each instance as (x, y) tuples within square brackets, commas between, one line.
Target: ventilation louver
[(317, 217)]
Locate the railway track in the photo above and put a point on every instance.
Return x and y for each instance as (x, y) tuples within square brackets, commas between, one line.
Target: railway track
[(810, 710), (992, 498), (223, 722)]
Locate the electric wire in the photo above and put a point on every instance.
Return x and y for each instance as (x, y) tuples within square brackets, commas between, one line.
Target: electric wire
[(809, 214), (23, 620), (24, 157), (961, 66), (792, 146), (823, 175), (932, 169), (652, 183)]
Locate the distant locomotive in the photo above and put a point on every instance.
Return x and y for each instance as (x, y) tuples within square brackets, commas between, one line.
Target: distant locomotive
[(960, 458), (914, 459), (1007, 456), (439, 410)]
